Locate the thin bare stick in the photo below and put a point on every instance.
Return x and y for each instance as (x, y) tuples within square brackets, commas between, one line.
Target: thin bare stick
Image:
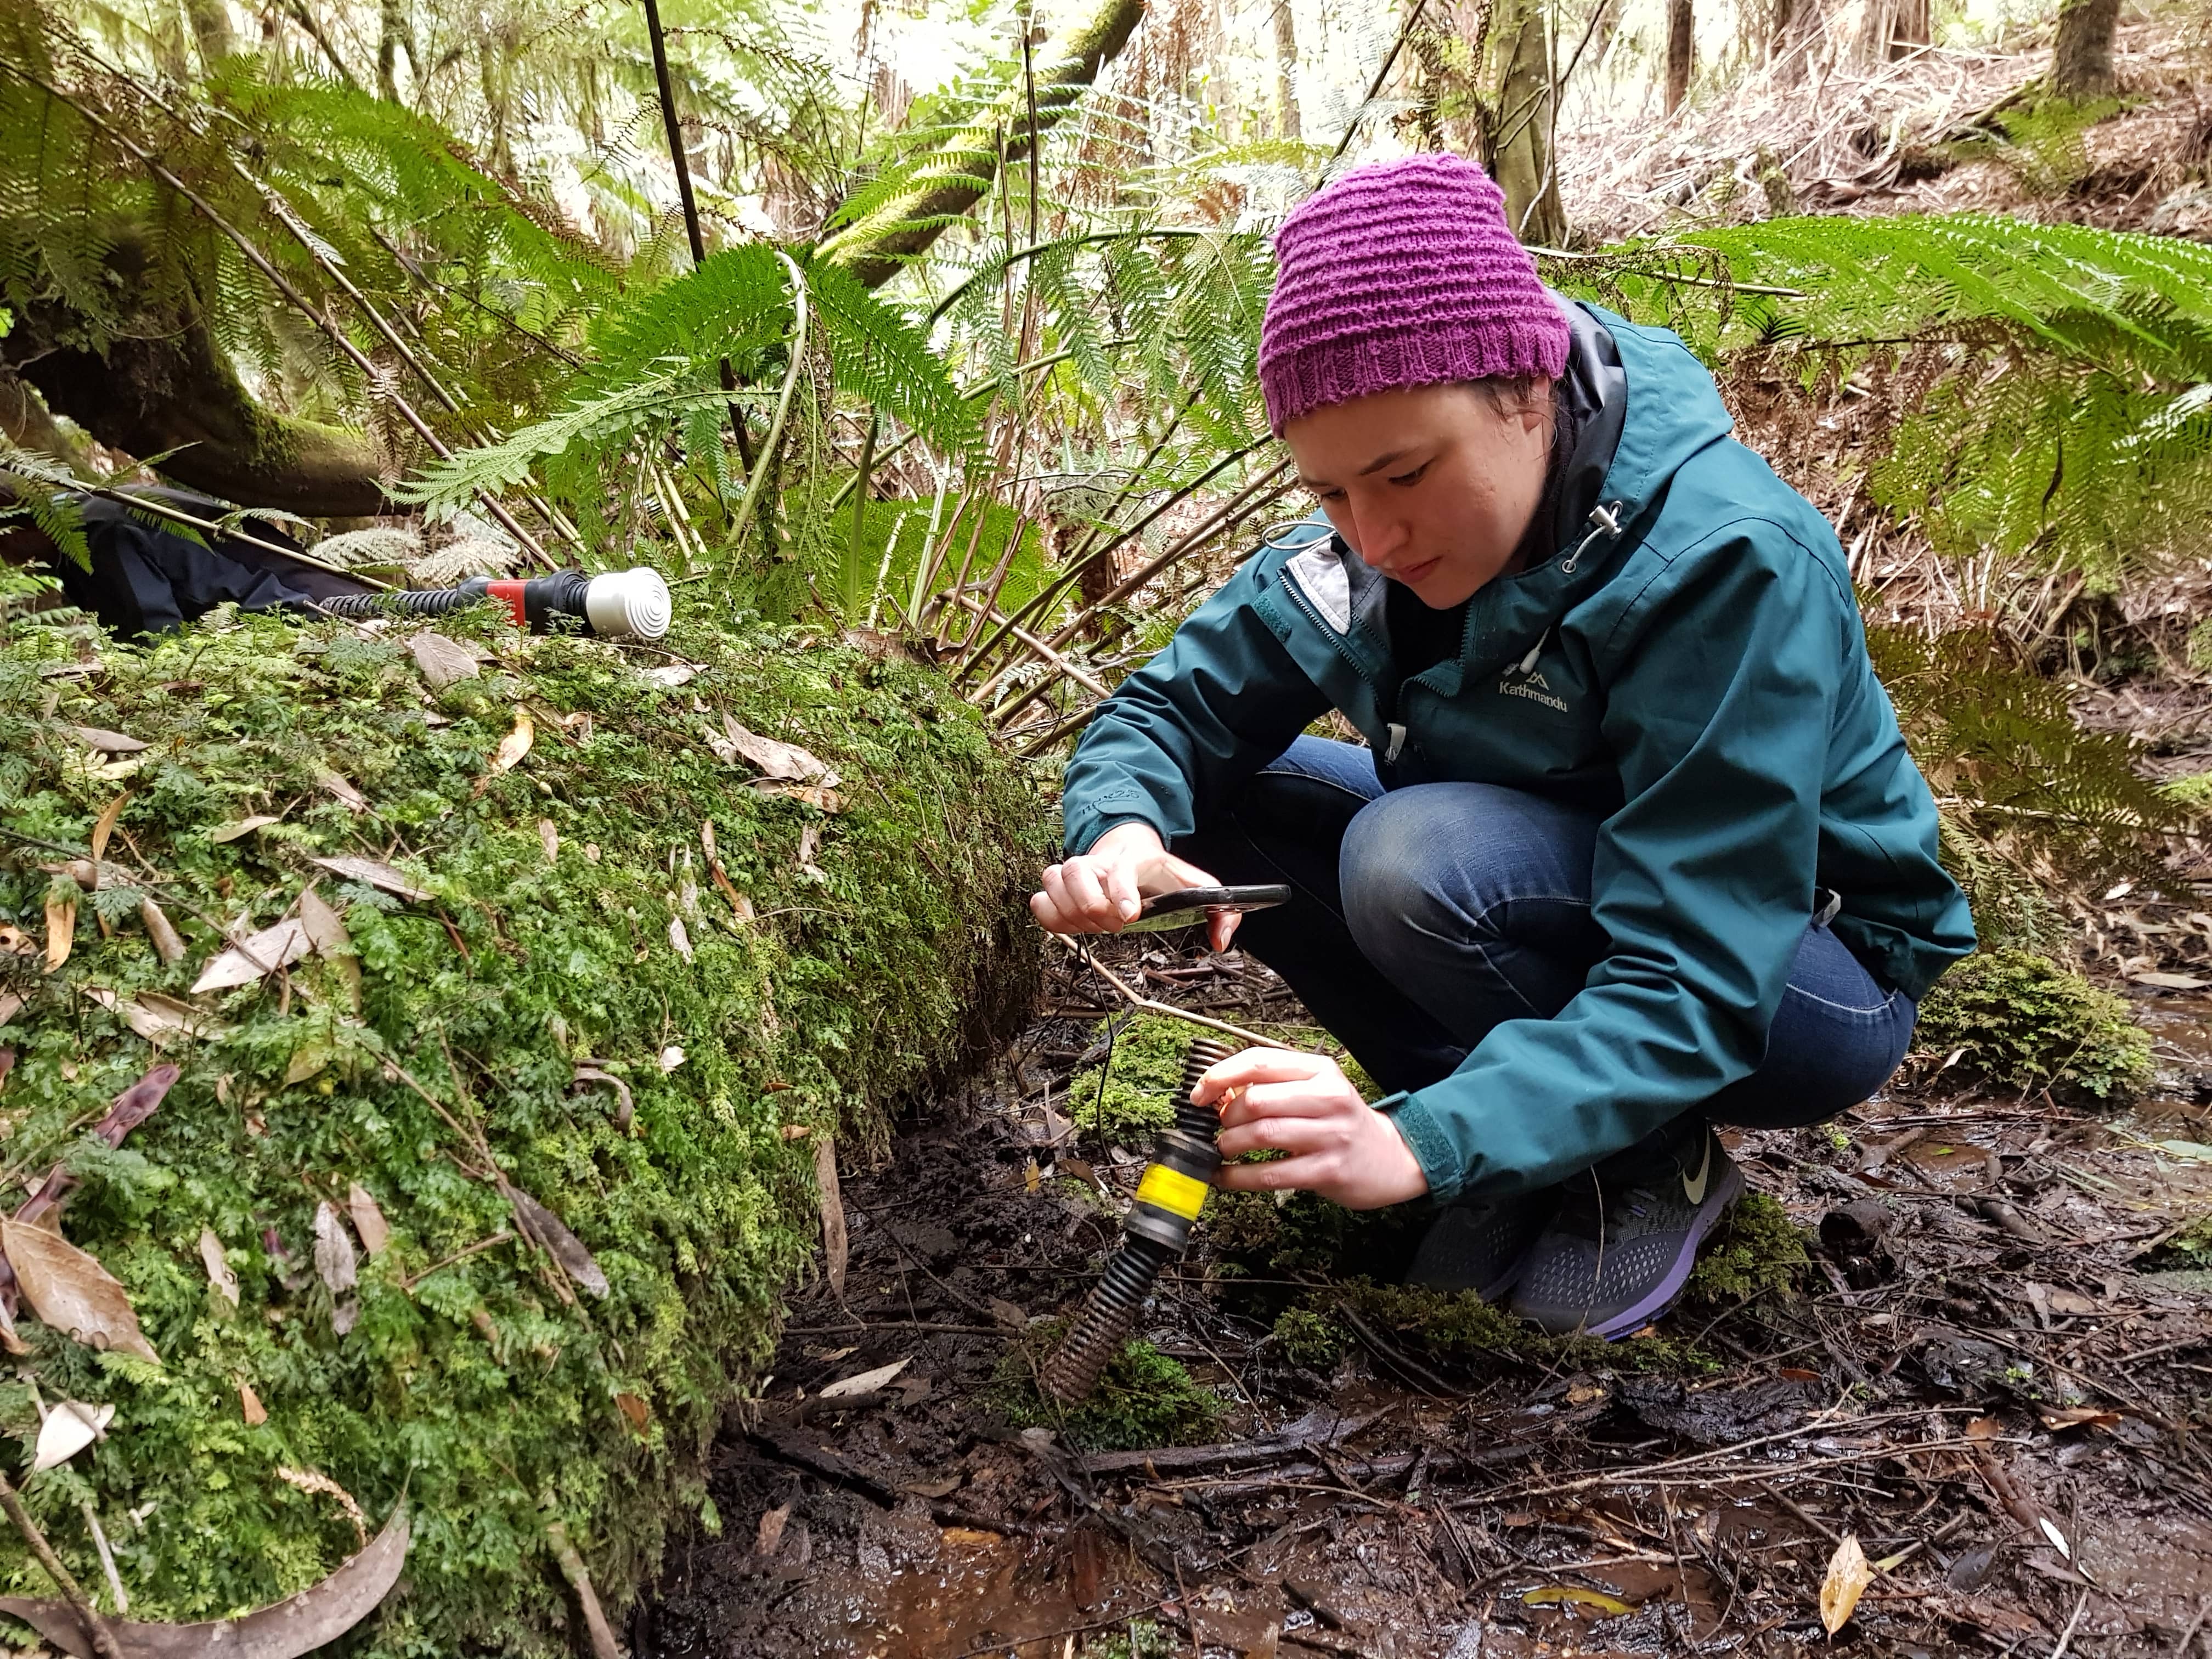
[(103, 1640), (1138, 1000), (1089, 683)]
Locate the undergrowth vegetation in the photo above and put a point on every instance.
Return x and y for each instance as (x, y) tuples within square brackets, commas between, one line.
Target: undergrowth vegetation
[(2023, 1020), (580, 962)]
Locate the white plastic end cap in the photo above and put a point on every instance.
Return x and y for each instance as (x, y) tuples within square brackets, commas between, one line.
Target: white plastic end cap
[(628, 603)]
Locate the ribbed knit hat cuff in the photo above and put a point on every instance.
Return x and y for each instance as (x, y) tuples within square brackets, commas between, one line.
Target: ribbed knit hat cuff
[(1295, 383)]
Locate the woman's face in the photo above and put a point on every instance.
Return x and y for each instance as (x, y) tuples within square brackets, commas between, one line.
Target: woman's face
[(1431, 485)]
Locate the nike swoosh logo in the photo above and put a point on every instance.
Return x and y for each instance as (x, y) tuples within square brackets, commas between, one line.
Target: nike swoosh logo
[(1693, 1187)]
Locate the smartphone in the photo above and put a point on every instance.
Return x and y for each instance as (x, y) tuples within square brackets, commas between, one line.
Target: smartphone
[(1188, 906)]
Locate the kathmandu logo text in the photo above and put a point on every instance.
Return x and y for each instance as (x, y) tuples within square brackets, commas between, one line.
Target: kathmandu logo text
[(1534, 687)]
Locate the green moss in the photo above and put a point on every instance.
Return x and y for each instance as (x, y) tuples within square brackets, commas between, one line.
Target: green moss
[(2193, 794), (1756, 1249), (1308, 1337), (1143, 1398), (479, 1389), (1269, 1233), (1143, 1078), (1460, 1326), (2024, 1020)]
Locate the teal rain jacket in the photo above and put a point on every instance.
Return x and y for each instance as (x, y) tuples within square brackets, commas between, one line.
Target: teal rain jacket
[(1690, 664)]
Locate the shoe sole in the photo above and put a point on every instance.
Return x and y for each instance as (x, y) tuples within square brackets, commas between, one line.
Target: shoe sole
[(1730, 1187)]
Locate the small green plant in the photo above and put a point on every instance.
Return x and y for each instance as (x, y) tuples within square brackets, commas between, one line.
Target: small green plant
[(1308, 1337), (1143, 1398), (2022, 1019), (2043, 143)]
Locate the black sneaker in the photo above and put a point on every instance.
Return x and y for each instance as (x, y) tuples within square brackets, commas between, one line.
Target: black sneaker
[(1482, 1244), (1626, 1234)]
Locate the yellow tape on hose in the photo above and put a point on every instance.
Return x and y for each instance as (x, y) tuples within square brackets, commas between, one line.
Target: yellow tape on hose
[(1173, 1191)]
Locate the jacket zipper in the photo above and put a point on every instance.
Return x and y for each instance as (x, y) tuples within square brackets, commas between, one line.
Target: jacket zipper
[(1396, 732)]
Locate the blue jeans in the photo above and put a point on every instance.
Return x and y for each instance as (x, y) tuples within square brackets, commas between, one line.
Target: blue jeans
[(1426, 915)]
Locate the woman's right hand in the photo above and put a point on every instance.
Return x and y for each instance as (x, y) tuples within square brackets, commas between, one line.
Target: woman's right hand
[(1102, 890)]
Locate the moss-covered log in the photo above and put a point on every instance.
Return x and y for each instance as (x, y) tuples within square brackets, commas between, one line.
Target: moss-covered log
[(544, 928)]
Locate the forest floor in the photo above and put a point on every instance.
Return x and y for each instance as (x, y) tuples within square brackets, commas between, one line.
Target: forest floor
[(1992, 1373), (1944, 128)]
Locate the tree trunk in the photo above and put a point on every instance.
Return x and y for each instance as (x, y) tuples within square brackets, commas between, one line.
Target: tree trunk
[(959, 174), (1286, 72), (1520, 144), (1799, 25), (164, 383), (2081, 57), (394, 31), (210, 22), (1911, 26), (1681, 49)]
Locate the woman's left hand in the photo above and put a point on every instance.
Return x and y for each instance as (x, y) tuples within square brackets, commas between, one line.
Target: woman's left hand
[(1340, 1147)]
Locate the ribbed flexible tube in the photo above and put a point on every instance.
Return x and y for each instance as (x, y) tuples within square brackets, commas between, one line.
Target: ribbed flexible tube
[(1110, 1311)]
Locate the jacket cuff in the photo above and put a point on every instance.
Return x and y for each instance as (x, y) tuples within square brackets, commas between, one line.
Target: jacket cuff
[(1098, 832), (1431, 1148)]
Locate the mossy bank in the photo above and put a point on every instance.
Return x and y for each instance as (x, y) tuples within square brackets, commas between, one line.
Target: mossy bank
[(740, 970)]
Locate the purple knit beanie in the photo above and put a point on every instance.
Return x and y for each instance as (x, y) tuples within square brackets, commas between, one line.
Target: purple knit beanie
[(1401, 274)]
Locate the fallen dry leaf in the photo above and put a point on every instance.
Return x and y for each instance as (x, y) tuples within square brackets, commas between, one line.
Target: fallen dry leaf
[(516, 744), (309, 1058), (1007, 1316), (314, 1619), (1846, 1580), (775, 761), (256, 957), (768, 1538), (942, 1486), (368, 1220), (834, 1243), (335, 1262), (548, 837), (108, 743), (326, 932), (625, 1107), (794, 1131), (2171, 981), (217, 1263), (72, 1292), (826, 800), (70, 1426), (1573, 1595), (809, 841), (241, 828), (441, 661), (969, 1537), (104, 826), (864, 1382), (671, 1057), (249, 1406), (640, 1413), (168, 944), (157, 1017), (373, 873), (2078, 1417), (543, 1227), (679, 937), (336, 784), (2057, 1538), (61, 931)]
